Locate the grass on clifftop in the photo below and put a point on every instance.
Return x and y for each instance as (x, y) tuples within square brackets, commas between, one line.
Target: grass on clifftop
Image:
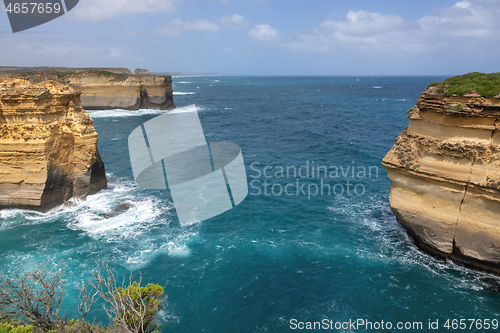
[(487, 85)]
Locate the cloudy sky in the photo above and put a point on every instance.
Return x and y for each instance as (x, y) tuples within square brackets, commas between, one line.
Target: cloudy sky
[(266, 37)]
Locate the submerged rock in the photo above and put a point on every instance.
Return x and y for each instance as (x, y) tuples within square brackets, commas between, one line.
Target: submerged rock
[(48, 146), (445, 176)]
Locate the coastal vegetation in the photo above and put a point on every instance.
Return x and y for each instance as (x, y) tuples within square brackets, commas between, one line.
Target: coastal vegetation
[(31, 301), (486, 85), (64, 76)]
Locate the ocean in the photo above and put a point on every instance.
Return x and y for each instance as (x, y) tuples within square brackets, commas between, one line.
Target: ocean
[(314, 240)]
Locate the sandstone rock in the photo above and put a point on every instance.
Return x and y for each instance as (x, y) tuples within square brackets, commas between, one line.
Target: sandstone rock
[(48, 146), (106, 88), (133, 92), (445, 177), (140, 71)]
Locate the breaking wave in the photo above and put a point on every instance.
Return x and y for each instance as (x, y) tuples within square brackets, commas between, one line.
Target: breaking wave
[(118, 113), (140, 226), (181, 93)]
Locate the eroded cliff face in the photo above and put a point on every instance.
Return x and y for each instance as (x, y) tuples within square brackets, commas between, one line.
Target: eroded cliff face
[(132, 93), (48, 146), (107, 88), (445, 177)]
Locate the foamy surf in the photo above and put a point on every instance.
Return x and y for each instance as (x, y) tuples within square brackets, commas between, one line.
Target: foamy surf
[(119, 113), (394, 245), (141, 227), (181, 93), (189, 108)]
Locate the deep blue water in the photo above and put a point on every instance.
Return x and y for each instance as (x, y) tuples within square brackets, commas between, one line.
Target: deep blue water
[(277, 256)]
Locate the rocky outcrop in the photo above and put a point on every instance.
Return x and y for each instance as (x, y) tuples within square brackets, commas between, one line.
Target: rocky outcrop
[(140, 71), (48, 146), (131, 92), (445, 177), (108, 89)]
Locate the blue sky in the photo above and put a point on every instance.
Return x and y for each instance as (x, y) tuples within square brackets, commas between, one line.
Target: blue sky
[(266, 37)]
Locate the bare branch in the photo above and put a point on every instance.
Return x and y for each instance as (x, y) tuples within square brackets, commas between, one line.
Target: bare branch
[(36, 294)]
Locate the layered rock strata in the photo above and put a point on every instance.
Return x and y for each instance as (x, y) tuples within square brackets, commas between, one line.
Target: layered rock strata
[(48, 146), (130, 92), (445, 177), (107, 88)]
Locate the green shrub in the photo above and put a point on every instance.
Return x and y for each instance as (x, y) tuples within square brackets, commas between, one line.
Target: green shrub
[(141, 306), (487, 85), (113, 76), (8, 328), (35, 297)]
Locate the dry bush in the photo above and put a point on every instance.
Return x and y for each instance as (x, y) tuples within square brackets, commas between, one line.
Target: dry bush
[(35, 295), (132, 308)]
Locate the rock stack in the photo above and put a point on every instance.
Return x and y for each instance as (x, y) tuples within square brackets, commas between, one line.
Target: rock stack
[(445, 177), (48, 146)]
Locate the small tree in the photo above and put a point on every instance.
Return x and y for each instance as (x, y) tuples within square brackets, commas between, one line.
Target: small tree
[(36, 296), (140, 306), (133, 308)]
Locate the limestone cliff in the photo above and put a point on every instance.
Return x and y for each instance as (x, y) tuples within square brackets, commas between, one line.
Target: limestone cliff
[(445, 176), (141, 71), (48, 146), (103, 89), (131, 92)]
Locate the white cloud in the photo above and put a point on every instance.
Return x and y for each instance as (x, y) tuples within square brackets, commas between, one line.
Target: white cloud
[(98, 9), (464, 23), (177, 27), (46, 50), (462, 4), (263, 32), (359, 30), (233, 21), (362, 24), (464, 19)]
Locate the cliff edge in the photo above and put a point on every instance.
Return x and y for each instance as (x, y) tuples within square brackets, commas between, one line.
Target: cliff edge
[(105, 89), (48, 146), (445, 171)]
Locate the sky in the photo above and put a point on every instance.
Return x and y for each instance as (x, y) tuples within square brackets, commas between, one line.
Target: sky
[(266, 37)]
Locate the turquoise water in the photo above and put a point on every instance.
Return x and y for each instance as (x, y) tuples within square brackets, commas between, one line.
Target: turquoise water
[(291, 249)]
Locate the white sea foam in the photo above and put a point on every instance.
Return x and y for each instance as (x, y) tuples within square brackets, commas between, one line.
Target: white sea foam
[(394, 245), (377, 87), (139, 226), (181, 93), (118, 113), (189, 108), (118, 213)]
